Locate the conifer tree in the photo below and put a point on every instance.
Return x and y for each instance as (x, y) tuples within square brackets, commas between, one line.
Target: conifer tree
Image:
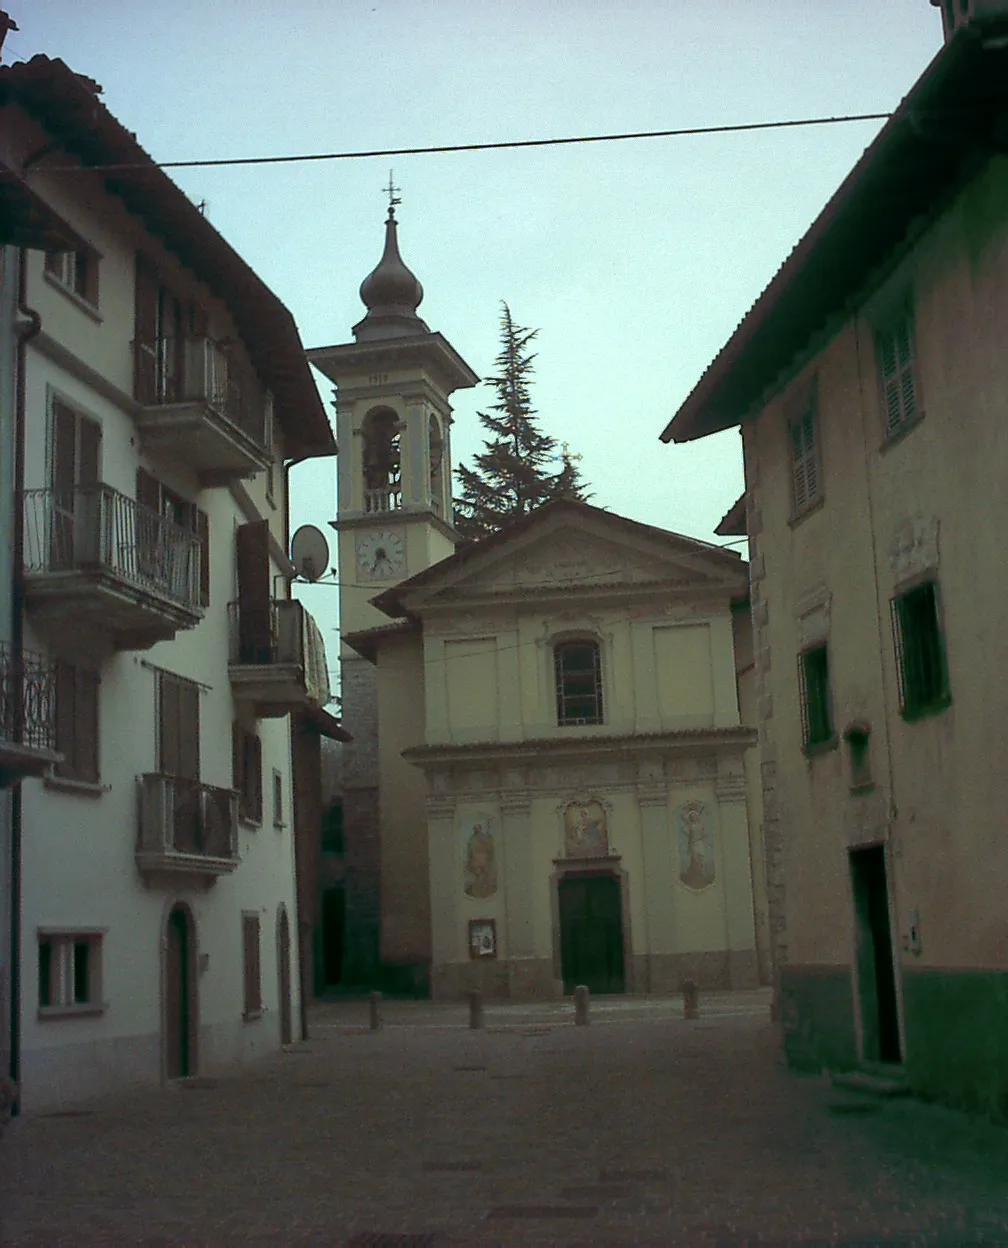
[(514, 473)]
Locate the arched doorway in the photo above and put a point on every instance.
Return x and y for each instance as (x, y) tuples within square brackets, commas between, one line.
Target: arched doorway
[(284, 974), (180, 993), (591, 932)]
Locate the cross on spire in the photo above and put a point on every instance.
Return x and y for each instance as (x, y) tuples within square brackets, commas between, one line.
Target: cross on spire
[(392, 191)]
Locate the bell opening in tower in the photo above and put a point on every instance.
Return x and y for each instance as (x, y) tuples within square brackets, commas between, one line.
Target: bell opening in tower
[(382, 461)]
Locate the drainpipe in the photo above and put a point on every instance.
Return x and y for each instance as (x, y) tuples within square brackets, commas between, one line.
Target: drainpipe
[(24, 332)]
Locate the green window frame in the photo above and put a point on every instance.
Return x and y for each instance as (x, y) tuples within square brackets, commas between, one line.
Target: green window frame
[(816, 704), (896, 350), (921, 657)]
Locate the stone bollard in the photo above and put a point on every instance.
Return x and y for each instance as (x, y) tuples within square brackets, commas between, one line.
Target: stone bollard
[(690, 999), (581, 1001), (375, 1013), (475, 1009)]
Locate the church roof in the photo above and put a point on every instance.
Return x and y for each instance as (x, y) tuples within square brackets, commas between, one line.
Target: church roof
[(391, 293), (391, 601)]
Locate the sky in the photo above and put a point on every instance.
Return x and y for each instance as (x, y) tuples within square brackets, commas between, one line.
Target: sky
[(635, 260)]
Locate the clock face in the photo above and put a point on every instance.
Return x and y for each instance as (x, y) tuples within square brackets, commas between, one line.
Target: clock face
[(381, 554)]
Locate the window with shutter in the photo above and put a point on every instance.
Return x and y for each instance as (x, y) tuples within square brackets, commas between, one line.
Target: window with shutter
[(921, 660), (816, 707), (806, 472), (178, 727), (77, 722), (897, 364), (247, 762), (250, 963)]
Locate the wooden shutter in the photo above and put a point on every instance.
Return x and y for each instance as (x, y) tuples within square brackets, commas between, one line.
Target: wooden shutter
[(255, 749), (145, 331), (252, 552), (65, 699), (169, 721), (86, 726), (148, 490), (90, 448), (798, 477), (250, 960), (237, 760), (201, 527), (189, 731)]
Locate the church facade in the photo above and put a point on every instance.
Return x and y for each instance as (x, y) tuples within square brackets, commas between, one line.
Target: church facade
[(549, 775)]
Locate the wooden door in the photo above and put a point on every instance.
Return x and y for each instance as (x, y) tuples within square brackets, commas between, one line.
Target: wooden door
[(178, 1004), (74, 529), (591, 933), (880, 1040), (283, 967)]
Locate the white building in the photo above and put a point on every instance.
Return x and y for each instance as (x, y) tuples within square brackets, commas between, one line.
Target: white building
[(164, 389)]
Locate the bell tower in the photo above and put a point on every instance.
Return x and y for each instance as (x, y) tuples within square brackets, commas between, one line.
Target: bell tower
[(393, 384)]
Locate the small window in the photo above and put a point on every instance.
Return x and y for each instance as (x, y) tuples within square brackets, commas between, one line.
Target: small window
[(76, 271), (332, 830), (921, 662), (247, 762), (77, 723), (69, 971), (278, 816), (858, 738), (578, 669), (806, 471), (250, 966), (813, 678), (897, 362)]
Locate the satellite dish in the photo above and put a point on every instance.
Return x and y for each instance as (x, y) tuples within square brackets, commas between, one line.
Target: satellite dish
[(310, 552)]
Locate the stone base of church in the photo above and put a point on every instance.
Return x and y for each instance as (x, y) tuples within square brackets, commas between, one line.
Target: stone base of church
[(664, 973), (524, 979)]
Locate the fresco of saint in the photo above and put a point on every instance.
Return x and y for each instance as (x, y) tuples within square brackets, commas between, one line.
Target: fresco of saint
[(586, 833), (697, 867), (480, 862)]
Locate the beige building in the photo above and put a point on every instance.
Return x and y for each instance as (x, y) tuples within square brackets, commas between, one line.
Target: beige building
[(871, 384), (562, 762)]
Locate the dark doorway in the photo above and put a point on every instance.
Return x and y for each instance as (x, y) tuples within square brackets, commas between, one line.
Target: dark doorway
[(876, 978), (333, 921), (284, 975), (180, 987), (591, 933)]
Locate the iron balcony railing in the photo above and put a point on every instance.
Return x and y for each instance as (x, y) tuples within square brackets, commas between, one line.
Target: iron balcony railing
[(184, 818), (27, 699), (185, 369), (95, 528), (284, 643)]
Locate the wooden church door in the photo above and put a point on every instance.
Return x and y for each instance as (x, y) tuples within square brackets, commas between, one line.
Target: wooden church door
[(591, 933)]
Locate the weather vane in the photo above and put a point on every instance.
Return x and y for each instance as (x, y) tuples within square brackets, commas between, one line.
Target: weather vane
[(392, 191)]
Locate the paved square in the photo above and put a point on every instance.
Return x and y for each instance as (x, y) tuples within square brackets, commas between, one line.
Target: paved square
[(639, 1129)]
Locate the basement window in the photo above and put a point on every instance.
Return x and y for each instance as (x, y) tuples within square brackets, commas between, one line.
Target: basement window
[(69, 973)]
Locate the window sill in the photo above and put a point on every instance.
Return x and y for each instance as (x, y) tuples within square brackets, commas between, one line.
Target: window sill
[(67, 784), (893, 438), (862, 790), (250, 822), (78, 300), (797, 517), (279, 824), (912, 714), (252, 1016), (86, 1010), (816, 748)]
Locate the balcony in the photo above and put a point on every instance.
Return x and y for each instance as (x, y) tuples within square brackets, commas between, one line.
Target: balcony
[(27, 715), (97, 561), (199, 405), (188, 834), (279, 667)]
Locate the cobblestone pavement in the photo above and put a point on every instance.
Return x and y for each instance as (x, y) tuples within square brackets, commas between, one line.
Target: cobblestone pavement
[(639, 1129)]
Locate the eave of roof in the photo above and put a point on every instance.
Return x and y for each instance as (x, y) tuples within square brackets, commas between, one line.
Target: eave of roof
[(61, 101), (433, 347), (367, 640), (943, 132), (733, 522), (26, 220)]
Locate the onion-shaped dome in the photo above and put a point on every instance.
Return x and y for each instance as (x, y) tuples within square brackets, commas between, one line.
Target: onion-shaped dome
[(391, 293)]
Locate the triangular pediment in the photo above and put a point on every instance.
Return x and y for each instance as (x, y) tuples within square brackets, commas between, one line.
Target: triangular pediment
[(568, 548)]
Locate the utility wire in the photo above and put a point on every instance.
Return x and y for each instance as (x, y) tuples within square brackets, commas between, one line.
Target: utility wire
[(441, 149)]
